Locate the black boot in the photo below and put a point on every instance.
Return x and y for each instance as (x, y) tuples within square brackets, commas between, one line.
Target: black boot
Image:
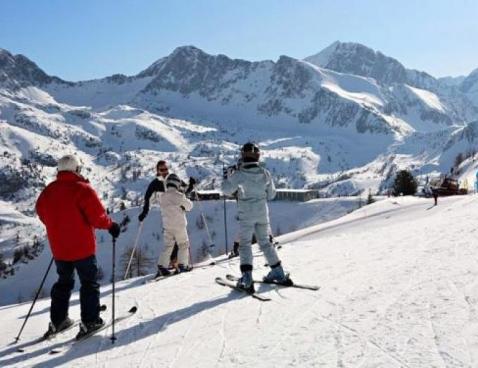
[(89, 327), (183, 268), (162, 271), (53, 330)]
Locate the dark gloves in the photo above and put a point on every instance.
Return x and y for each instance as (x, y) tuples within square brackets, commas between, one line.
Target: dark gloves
[(142, 216), (114, 230), (182, 207), (191, 184)]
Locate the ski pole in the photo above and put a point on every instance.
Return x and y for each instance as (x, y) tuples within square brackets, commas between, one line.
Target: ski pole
[(34, 300), (134, 249), (225, 223), (113, 338), (190, 256), (225, 215)]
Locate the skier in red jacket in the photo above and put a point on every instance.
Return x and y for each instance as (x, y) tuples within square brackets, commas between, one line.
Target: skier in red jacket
[(71, 210)]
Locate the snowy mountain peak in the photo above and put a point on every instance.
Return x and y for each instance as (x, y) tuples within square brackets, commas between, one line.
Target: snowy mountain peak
[(323, 57), (18, 71), (6, 59), (336, 49), (470, 82), (179, 55), (474, 73), (188, 69), (354, 58), (469, 86), (187, 51), (5, 53)]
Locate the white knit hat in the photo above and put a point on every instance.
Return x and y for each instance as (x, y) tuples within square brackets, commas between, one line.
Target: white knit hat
[(69, 163)]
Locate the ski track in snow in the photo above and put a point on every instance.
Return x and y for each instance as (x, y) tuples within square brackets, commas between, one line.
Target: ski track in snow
[(398, 289)]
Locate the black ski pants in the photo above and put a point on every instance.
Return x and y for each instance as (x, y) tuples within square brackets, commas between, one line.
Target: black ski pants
[(87, 270)]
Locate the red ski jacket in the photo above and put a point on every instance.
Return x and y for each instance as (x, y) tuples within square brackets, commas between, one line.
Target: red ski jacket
[(71, 210)]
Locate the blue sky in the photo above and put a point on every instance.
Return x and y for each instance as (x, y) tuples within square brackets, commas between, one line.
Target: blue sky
[(85, 39)]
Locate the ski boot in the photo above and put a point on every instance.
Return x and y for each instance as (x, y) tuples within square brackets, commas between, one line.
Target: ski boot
[(235, 251), (246, 282), (232, 255), (162, 271), (52, 329), (183, 268), (277, 275), (89, 327)]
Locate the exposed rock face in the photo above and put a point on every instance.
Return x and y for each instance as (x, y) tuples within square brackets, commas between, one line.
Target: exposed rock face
[(18, 71)]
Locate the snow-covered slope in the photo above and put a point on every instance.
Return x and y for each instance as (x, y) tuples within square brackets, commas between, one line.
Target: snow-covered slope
[(398, 289)]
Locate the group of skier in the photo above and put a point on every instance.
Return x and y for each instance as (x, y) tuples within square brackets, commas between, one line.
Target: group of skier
[(71, 211)]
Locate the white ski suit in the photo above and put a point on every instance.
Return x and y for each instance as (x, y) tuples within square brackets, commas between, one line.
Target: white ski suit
[(174, 225), (255, 187)]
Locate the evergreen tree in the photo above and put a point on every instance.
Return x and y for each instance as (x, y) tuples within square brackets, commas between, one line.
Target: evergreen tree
[(404, 183)]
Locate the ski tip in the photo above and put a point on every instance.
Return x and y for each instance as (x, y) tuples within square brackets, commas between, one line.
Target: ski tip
[(133, 309), (231, 277), (219, 280)]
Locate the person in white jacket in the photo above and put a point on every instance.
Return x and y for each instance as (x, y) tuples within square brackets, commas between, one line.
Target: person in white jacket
[(254, 188), (174, 205)]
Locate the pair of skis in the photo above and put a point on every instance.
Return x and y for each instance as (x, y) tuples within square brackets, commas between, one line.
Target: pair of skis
[(73, 341), (53, 336), (231, 281)]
